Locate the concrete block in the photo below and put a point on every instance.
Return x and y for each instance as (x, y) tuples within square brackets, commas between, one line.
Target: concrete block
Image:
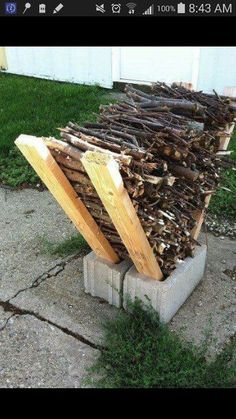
[(104, 279), (167, 296)]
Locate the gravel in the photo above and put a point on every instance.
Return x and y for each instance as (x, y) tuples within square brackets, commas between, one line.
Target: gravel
[(221, 227)]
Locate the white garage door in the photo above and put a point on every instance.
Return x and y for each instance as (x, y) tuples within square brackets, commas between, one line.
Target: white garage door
[(149, 64)]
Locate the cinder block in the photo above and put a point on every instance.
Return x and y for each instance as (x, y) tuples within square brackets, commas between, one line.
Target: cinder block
[(104, 279), (167, 296)]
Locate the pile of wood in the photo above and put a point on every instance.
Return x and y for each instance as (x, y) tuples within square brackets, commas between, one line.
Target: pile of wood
[(216, 111), (168, 168)]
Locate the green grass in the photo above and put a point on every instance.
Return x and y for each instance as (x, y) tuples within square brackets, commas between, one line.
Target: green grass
[(15, 171), (74, 244), (37, 107), (143, 353), (223, 203)]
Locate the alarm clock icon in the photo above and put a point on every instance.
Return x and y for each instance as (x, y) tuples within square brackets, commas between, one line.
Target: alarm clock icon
[(116, 7)]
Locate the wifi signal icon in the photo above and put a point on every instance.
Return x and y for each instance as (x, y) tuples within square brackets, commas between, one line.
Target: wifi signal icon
[(131, 7)]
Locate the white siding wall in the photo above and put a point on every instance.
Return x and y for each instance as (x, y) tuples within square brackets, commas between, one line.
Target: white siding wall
[(87, 65), (149, 64), (207, 68), (217, 68)]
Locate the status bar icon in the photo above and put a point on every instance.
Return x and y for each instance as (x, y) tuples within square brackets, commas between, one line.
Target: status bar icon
[(100, 8), (58, 8), (181, 8), (27, 6), (149, 11), (10, 8)]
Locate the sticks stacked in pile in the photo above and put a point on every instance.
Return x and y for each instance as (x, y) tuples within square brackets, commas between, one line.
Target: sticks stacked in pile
[(167, 167), (219, 110)]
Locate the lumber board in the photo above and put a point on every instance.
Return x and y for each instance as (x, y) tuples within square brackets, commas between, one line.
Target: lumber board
[(186, 85), (199, 215), (38, 155), (3, 59), (105, 175), (224, 140), (229, 91)]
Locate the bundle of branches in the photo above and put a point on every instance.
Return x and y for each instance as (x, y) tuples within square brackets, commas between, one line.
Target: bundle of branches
[(165, 169), (167, 165), (215, 111)]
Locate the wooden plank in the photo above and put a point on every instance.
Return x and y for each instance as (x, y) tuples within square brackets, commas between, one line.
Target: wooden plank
[(224, 140), (40, 158), (230, 91), (199, 215), (230, 128), (186, 85), (207, 200), (104, 173), (3, 59)]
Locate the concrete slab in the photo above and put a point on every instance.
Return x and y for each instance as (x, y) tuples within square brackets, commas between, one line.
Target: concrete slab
[(26, 217), (4, 317), (36, 354), (62, 300), (210, 311), (104, 279), (166, 297)]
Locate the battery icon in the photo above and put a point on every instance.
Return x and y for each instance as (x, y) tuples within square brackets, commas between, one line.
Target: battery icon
[(180, 8)]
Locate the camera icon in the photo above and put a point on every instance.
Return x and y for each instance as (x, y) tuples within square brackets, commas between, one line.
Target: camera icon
[(10, 8), (116, 7)]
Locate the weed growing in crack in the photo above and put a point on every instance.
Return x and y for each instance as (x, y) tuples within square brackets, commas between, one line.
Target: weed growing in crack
[(141, 352), (75, 244)]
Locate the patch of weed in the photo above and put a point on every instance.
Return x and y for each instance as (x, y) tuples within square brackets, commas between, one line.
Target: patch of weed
[(141, 352), (223, 202), (75, 244)]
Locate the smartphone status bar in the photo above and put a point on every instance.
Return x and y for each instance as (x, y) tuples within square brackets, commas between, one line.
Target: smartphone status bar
[(129, 9)]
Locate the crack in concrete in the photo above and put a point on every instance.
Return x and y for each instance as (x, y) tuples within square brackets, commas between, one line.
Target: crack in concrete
[(6, 322), (9, 307), (46, 275), (52, 272)]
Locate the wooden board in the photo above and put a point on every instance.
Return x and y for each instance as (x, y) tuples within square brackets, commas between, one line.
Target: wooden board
[(104, 173), (230, 91), (186, 85), (224, 141), (199, 215), (40, 158), (3, 59)]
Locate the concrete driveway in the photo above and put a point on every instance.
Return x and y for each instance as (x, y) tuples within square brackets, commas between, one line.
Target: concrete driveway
[(50, 330)]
